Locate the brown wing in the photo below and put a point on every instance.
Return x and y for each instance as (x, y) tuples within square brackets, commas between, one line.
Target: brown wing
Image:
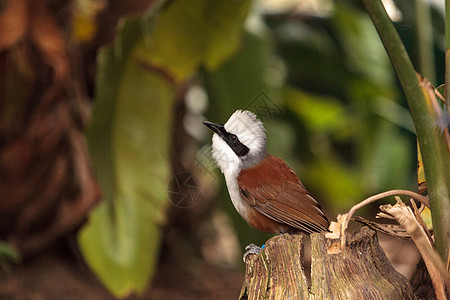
[(285, 199)]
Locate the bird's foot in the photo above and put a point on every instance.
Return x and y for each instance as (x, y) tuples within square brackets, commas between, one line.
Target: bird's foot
[(252, 249)]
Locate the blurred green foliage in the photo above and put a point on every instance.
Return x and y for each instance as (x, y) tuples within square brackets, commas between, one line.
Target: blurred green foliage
[(323, 86), (353, 134), (345, 130)]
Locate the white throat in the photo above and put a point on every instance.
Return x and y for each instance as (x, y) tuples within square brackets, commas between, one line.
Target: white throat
[(250, 132), (230, 165)]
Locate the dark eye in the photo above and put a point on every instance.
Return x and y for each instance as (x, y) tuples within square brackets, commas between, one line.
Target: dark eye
[(233, 137)]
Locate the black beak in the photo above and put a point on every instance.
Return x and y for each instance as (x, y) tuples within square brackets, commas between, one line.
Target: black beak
[(217, 128), (231, 139)]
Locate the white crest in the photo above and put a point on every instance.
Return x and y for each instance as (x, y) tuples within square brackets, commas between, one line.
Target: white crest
[(250, 132)]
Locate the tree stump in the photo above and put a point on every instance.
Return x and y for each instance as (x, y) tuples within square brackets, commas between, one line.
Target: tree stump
[(361, 271)]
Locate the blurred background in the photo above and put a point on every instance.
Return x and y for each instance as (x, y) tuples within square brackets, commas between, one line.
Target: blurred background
[(107, 185)]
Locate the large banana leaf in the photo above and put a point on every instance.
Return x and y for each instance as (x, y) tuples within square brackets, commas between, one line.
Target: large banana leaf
[(129, 136), (121, 240)]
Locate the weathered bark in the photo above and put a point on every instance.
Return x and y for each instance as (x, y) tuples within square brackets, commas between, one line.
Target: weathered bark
[(277, 271), (362, 271)]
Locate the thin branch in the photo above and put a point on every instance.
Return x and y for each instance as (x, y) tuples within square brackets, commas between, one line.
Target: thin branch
[(344, 225), (447, 50)]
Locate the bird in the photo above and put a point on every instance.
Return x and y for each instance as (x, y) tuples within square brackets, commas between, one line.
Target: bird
[(265, 191)]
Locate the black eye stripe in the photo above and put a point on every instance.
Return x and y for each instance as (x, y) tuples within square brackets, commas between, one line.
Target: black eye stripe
[(238, 148), (231, 139)]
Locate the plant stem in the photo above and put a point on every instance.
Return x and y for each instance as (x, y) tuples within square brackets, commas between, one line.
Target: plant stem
[(447, 50), (436, 158), (424, 33)]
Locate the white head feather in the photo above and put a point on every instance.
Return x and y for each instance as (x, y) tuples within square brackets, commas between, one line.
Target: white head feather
[(250, 132)]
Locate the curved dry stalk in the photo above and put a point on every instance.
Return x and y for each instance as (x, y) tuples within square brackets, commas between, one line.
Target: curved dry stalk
[(371, 199), (405, 216)]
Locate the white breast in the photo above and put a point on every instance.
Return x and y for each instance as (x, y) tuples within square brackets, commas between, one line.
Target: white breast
[(233, 189), (230, 165)]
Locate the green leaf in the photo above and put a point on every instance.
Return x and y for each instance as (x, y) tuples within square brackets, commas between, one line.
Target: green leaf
[(365, 54), (132, 106), (382, 149), (320, 113), (130, 132), (197, 32)]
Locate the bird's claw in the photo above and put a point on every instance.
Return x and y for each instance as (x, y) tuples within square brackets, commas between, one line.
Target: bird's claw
[(251, 249)]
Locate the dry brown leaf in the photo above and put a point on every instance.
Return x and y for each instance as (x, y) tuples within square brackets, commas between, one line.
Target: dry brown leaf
[(405, 217), (22, 20), (420, 220), (345, 218), (13, 23), (430, 94), (49, 39), (389, 229), (46, 182)]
